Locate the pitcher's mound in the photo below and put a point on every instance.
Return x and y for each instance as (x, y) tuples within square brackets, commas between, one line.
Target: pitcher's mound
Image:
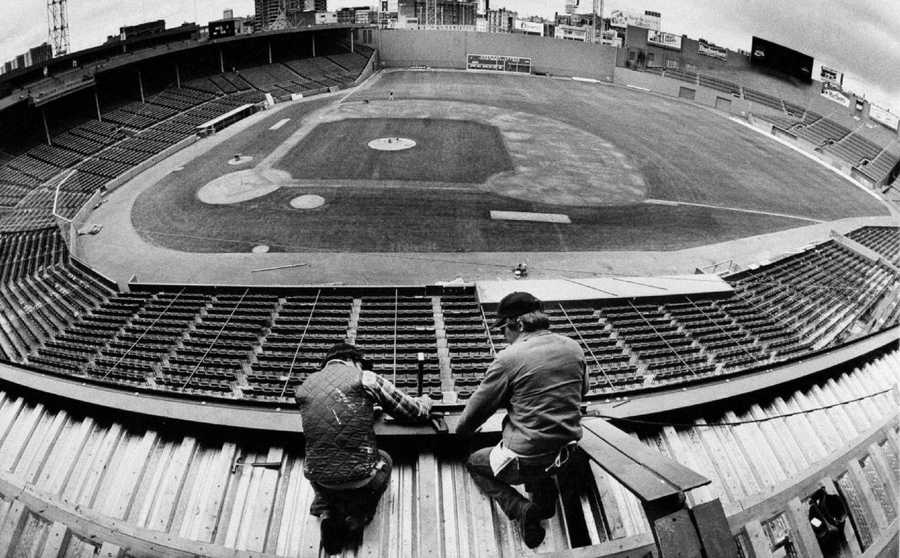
[(391, 144)]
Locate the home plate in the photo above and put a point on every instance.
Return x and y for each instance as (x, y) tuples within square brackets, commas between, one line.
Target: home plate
[(525, 216)]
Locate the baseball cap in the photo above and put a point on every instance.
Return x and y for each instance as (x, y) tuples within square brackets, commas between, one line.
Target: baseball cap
[(515, 304)]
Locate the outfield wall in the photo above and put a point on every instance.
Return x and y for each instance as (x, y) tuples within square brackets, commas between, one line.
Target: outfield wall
[(448, 49)]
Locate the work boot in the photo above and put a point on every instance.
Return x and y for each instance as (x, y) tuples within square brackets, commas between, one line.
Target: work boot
[(530, 522), (334, 533)]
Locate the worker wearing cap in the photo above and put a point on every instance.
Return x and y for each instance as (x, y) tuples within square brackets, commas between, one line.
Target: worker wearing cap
[(539, 379), (343, 463)]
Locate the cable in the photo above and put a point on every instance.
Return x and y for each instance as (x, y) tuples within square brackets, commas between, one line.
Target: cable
[(663, 339), (143, 333), (740, 422), (586, 346), (215, 339), (299, 343)]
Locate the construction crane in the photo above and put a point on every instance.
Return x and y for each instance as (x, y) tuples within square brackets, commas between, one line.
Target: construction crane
[(58, 26)]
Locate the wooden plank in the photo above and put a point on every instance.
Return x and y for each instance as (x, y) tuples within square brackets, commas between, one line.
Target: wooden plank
[(231, 523), (648, 486), (759, 542), (732, 489), (244, 515), (854, 411), (308, 541), (703, 464), (35, 457), (11, 527), (377, 533), (453, 536), (881, 466), (428, 509), (801, 436), (186, 504), (839, 417), (824, 427), (290, 516), (9, 412), (56, 542), (747, 475), (278, 506), (149, 487), (212, 509), (757, 451), (874, 409), (263, 502), (99, 465), (804, 539), (680, 453), (109, 550), (871, 503), (19, 435), (130, 478), (782, 441), (806, 427), (610, 506), (638, 546), (159, 511), (64, 456), (673, 472)]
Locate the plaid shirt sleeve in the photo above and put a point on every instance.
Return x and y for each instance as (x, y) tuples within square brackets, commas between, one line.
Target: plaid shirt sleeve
[(393, 401)]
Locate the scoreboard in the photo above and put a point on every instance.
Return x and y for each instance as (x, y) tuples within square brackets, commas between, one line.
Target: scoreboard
[(498, 63), (222, 28)]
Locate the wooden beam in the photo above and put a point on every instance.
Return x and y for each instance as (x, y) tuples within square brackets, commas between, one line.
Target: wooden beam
[(56, 542), (674, 473), (637, 546), (11, 528), (802, 536), (805, 483)]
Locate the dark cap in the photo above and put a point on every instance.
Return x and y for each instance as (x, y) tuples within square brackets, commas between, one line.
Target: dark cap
[(343, 351), (514, 305)]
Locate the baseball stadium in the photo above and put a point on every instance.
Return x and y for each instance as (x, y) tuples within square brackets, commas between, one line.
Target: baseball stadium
[(189, 219)]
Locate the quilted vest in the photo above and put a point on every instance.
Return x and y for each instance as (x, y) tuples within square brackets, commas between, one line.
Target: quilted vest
[(338, 419)]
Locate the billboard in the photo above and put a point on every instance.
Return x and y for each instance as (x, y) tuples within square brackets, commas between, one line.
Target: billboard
[(221, 28), (709, 49), (884, 117), (663, 39), (829, 75), (529, 27), (498, 63), (782, 59), (647, 20), (833, 93)]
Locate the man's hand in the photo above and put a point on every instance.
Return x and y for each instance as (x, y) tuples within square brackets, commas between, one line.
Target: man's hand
[(426, 401)]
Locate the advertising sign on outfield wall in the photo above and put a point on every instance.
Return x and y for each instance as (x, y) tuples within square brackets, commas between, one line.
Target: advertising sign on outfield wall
[(830, 75), (833, 93), (663, 39), (530, 27), (648, 20), (498, 63), (884, 117), (709, 49)]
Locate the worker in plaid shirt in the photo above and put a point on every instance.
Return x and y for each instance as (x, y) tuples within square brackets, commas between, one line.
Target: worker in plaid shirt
[(343, 463)]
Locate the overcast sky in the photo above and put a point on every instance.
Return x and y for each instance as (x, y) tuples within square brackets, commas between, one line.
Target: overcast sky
[(858, 37)]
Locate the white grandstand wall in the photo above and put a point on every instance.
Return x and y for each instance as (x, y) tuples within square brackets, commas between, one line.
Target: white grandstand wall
[(673, 88), (448, 49)]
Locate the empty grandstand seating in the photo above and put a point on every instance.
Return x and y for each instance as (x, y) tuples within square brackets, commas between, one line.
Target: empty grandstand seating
[(259, 343), (822, 132), (854, 148), (129, 134), (884, 240)]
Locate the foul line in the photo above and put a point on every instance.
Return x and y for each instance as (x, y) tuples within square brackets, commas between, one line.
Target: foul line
[(737, 209)]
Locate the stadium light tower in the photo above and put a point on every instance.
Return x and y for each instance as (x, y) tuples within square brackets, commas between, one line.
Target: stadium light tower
[(58, 26)]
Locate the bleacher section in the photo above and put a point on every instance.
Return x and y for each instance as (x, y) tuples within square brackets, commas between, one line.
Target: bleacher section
[(884, 240), (260, 343), (130, 134)]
